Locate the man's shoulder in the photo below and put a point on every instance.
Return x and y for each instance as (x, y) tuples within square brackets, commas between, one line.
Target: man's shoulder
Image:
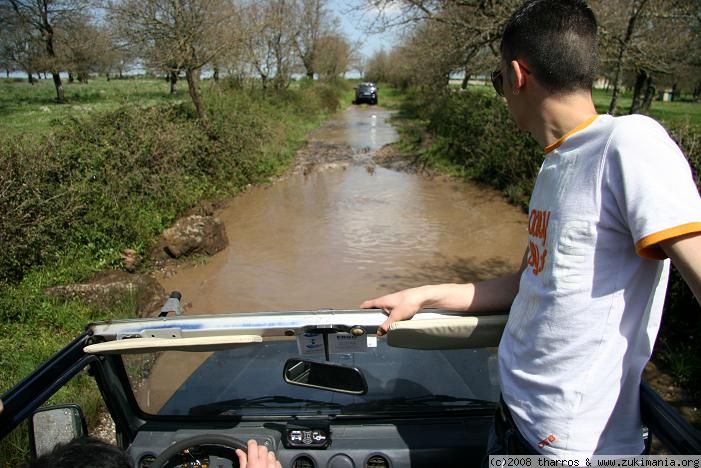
[(635, 123)]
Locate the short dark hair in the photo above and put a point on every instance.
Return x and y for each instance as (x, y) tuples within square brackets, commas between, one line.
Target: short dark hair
[(86, 452), (557, 40)]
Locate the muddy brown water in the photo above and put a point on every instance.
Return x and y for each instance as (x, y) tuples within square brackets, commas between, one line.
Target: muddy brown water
[(337, 232), (336, 236)]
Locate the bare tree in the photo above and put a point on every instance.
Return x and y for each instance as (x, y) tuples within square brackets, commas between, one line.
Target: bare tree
[(175, 35), (334, 55), (85, 48), (642, 40), (454, 35), (20, 48), (43, 16), (269, 40), (620, 19), (312, 19)]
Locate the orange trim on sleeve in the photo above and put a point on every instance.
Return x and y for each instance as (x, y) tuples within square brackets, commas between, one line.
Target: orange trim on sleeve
[(647, 246), (564, 137)]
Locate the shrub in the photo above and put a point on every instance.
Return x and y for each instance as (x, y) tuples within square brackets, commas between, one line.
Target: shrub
[(104, 182), (474, 131)]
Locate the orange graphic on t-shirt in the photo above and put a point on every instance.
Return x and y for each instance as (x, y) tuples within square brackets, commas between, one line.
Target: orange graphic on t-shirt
[(538, 229), (547, 441)]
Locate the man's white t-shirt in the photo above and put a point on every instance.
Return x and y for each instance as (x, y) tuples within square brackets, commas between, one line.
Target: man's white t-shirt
[(584, 322)]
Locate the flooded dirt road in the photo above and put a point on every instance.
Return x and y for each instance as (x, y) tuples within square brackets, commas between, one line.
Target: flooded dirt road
[(340, 229)]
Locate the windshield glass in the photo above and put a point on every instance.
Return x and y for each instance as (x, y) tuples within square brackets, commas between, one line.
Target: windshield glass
[(366, 88), (248, 381)]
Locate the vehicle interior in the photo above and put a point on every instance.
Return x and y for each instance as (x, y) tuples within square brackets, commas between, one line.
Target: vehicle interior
[(319, 388)]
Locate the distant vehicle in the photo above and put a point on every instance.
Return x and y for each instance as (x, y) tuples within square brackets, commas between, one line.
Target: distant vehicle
[(366, 92)]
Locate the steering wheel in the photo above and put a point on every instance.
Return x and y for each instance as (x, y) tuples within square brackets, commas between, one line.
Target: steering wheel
[(210, 444)]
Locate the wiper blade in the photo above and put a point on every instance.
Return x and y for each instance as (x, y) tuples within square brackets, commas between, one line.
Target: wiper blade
[(423, 401), (230, 406)]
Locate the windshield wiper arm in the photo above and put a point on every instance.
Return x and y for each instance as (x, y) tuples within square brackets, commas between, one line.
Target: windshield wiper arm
[(422, 400), (224, 407)]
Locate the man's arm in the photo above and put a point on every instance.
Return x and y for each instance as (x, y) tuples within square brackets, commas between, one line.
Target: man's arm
[(685, 253), (493, 294)]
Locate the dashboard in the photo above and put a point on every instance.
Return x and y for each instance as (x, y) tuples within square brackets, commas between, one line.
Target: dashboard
[(446, 441)]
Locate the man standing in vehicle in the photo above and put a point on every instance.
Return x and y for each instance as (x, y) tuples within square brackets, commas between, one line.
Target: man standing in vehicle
[(614, 200)]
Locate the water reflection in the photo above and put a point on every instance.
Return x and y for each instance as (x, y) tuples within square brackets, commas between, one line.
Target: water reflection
[(361, 127), (332, 238)]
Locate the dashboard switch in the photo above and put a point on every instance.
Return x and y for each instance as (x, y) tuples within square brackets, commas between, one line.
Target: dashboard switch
[(309, 435)]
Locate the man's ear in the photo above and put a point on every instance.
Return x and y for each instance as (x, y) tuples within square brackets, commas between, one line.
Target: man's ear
[(519, 77)]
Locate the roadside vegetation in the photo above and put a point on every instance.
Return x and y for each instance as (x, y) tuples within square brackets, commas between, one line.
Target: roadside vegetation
[(87, 185)]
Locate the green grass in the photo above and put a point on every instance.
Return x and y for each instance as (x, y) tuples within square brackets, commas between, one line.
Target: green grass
[(677, 112), (43, 327), (30, 110)]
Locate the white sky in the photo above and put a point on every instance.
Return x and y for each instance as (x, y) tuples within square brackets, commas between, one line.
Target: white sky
[(353, 26)]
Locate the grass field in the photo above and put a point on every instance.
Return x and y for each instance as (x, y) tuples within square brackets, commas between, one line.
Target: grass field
[(27, 109), (30, 110), (684, 111), (673, 112)]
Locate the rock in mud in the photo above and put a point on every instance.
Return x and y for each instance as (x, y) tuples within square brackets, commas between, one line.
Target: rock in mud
[(112, 286), (194, 234)]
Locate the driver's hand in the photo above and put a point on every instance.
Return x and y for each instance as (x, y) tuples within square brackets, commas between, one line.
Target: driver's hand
[(401, 305), (258, 457)]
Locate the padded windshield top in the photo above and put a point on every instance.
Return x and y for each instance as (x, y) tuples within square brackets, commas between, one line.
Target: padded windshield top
[(430, 329)]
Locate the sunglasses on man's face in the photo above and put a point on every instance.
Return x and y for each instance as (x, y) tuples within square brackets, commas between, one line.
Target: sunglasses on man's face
[(498, 82)]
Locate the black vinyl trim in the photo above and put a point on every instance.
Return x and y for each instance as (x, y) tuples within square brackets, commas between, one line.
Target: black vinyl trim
[(20, 401), (675, 433)]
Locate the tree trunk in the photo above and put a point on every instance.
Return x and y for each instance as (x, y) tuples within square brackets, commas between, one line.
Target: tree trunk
[(30, 77), (193, 78), (465, 80), (621, 53), (697, 91), (641, 79), (649, 94), (215, 76), (675, 92), (173, 80), (58, 84), (70, 78), (616, 82), (60, 97)]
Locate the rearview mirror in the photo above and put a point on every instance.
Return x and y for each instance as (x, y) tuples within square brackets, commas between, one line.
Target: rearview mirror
[(54, 425), (325, 376)]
